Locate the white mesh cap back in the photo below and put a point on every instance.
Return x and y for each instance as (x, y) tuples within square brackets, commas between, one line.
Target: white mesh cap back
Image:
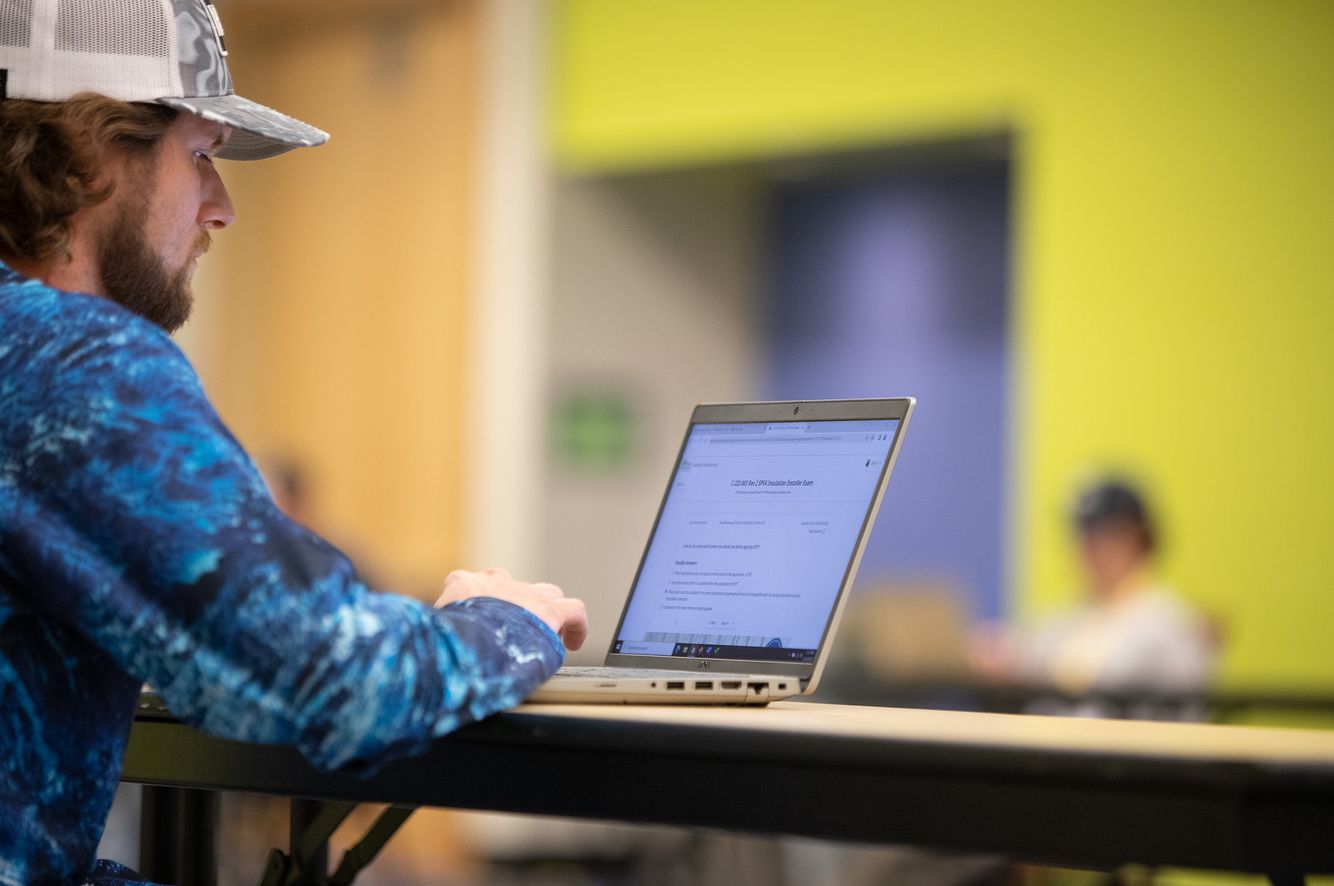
[(172, 52)]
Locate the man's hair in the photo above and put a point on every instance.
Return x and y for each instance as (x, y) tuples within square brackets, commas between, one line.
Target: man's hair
[(1113, 501), (52, 159)]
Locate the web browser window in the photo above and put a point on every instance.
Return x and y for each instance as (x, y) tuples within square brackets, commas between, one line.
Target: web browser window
[(759, 526)]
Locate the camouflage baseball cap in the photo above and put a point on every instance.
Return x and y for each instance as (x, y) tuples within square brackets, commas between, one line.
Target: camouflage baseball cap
[(172, 52)]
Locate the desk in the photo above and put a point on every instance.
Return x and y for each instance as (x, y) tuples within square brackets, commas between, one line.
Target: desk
[(1225, 705), (1079, 792)]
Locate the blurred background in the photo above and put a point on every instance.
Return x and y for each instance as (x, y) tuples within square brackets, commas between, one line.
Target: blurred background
[(1090, 238)]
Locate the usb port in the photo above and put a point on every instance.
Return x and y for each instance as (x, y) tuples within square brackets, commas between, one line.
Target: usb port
[(730, 684), (676, 684), (703, 684)]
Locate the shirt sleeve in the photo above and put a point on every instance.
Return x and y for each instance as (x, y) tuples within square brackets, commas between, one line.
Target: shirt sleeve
[(144, 526)]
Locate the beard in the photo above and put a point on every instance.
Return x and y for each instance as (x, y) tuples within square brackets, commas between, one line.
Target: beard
[(135, 276)]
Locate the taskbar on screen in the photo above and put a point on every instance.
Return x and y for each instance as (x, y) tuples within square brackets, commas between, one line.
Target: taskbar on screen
[(747, 653)]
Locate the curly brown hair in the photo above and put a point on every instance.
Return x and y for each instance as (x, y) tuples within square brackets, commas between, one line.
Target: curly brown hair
[(52, 156)]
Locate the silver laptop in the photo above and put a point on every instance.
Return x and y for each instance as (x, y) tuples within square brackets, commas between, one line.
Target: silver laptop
[(754, 548)]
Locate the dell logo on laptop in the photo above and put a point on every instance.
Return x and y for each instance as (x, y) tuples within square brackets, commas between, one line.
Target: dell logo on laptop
[(702, 666)]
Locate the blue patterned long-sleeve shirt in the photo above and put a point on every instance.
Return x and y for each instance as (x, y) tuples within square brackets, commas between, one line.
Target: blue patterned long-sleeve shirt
[(138, 543)]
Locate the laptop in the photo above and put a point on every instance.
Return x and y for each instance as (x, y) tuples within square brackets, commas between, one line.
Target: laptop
[(751, 556)]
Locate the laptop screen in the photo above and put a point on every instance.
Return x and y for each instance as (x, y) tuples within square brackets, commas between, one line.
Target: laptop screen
[(758, 529)]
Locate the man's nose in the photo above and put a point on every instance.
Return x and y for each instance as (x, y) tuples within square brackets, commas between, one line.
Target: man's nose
[(216, 211)]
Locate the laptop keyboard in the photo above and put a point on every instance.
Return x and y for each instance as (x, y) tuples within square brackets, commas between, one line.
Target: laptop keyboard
[(152, 706), (635, 673)]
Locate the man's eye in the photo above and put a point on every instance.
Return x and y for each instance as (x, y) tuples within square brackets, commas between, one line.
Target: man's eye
[(201, 155)]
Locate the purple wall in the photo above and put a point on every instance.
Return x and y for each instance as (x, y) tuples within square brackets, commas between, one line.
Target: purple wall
[(899, 285)]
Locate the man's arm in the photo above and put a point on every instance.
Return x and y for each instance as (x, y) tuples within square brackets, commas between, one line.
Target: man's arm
[(564, 615), (142, 524)]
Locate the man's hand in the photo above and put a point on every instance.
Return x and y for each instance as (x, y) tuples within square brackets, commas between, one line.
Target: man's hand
[(562, 614)]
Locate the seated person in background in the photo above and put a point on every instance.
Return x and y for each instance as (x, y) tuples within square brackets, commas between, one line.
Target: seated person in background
[(1131, 634), (137, 540)]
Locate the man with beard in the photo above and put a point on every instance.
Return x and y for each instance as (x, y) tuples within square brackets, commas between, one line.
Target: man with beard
[(137, 541)]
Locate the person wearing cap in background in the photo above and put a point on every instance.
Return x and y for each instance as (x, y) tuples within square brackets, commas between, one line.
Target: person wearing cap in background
[(1131, 634), (137, 540)]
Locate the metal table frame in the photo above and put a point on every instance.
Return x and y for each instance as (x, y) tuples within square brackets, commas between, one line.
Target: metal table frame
[(1070, 807)]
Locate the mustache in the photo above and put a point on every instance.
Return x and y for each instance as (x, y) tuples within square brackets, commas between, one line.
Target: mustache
[(203, 243)]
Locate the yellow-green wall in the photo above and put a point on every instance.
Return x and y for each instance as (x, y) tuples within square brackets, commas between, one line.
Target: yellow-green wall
[(1174, 283)]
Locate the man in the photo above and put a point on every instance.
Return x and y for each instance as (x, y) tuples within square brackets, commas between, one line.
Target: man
[(1130, 634), (137, 540)]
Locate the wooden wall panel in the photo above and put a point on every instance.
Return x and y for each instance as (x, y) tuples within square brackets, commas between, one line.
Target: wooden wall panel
[(331, 325)]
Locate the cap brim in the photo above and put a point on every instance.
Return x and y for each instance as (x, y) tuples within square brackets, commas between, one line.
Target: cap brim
[(257, 132)]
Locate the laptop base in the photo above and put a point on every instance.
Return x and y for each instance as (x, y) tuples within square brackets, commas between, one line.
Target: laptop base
[(581, 685)]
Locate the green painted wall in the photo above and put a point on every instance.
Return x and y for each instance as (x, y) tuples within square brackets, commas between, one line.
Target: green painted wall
[(1175, 217)]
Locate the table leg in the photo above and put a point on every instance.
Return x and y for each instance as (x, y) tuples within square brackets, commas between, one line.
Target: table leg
[(158, 846), (176, 836), (199, 821), (304, 813)]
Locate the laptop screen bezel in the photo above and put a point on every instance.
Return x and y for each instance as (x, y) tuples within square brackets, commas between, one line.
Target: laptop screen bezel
[(898, 408)]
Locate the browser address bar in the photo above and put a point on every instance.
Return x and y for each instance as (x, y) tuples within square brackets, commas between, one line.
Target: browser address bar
[(804, 438)]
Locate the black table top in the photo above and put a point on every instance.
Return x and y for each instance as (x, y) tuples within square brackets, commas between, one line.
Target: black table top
[(1082, 792)]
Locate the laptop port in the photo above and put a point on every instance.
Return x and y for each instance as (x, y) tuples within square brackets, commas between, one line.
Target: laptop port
[(676, 684), (730, 684), (703, 684), (758, 688)]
